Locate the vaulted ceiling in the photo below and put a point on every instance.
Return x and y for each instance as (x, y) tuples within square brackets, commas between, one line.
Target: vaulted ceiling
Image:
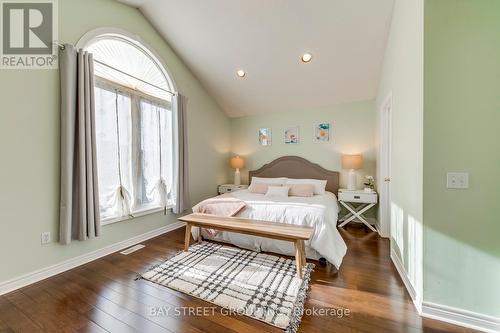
[(266, 38)]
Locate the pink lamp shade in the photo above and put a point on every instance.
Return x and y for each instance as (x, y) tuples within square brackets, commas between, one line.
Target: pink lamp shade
[(237, 162), (352, 162)]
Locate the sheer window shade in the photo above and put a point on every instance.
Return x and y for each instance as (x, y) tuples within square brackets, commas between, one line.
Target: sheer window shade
[(129, 125), (114, 141), (156, 154)]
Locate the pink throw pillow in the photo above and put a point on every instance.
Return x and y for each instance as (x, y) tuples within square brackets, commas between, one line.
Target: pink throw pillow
[(301, 190), (260, 188)]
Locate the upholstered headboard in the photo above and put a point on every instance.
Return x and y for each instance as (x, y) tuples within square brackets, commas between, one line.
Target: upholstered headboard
[(297, 167)]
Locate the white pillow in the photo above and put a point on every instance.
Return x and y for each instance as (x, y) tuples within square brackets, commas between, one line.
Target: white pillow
[(270, 181), (277, 191), (319, 185)]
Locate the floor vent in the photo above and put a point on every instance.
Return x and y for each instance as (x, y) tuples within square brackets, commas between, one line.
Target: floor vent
[(132, 249)]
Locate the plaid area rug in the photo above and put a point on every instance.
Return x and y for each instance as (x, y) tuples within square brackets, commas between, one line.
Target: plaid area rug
[(261, 286)]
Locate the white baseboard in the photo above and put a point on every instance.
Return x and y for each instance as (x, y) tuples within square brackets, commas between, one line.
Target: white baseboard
[(445, 313), (416, 298), (461, 317), (27, 279)]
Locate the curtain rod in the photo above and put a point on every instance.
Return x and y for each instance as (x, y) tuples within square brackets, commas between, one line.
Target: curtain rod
[(62, 47)]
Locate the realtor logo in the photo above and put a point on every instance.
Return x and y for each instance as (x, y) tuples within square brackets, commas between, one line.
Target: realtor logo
[(28, 31)]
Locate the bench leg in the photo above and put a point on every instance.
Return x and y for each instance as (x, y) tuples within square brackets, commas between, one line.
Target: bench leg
[(303, 252), (200, 239), (187, 238), (298, 258)]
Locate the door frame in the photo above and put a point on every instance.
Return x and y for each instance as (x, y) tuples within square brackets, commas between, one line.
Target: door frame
[(385, 152)]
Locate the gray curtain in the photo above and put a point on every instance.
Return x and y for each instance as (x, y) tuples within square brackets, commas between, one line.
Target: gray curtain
[(182, 202), (79, 206)]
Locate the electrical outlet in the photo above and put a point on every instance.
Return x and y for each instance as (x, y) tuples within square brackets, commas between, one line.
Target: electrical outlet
[(459, 180), (45, 237)]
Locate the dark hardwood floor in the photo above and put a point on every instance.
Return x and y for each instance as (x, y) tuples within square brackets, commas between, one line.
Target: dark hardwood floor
[(103, 296)]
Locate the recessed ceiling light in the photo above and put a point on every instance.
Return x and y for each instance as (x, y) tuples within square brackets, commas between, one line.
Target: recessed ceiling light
[(306, 57), (240, 73)]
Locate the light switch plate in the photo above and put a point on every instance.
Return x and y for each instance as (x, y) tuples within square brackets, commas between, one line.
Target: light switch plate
[(459, 180), (45, 237)]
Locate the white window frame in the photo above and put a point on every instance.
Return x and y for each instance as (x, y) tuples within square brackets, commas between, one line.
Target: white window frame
[(124, 36), (135, 40)]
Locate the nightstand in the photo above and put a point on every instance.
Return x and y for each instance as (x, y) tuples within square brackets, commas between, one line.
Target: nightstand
[(227, 188), (366, 200)]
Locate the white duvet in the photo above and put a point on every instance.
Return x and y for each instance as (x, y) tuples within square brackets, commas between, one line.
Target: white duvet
[(319, 212)]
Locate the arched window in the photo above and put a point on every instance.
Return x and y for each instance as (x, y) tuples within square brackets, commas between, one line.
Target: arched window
[(134, 126)]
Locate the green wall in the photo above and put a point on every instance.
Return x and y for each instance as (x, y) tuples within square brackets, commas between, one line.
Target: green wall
[(462, 115), (402, 76), (29, 142), (352, 133)]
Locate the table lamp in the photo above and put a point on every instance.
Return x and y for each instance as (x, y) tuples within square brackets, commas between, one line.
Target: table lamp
[(352, 162), (237, 163)]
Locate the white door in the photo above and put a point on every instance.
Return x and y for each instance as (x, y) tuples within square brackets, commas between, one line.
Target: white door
[(385, 167)]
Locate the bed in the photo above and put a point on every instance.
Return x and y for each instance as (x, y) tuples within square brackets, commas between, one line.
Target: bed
[(319, 212)]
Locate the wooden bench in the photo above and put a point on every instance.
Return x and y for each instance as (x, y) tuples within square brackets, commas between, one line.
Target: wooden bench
[(281, 231)]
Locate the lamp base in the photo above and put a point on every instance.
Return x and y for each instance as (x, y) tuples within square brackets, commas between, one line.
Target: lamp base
[(351, 180), (237, 178)]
